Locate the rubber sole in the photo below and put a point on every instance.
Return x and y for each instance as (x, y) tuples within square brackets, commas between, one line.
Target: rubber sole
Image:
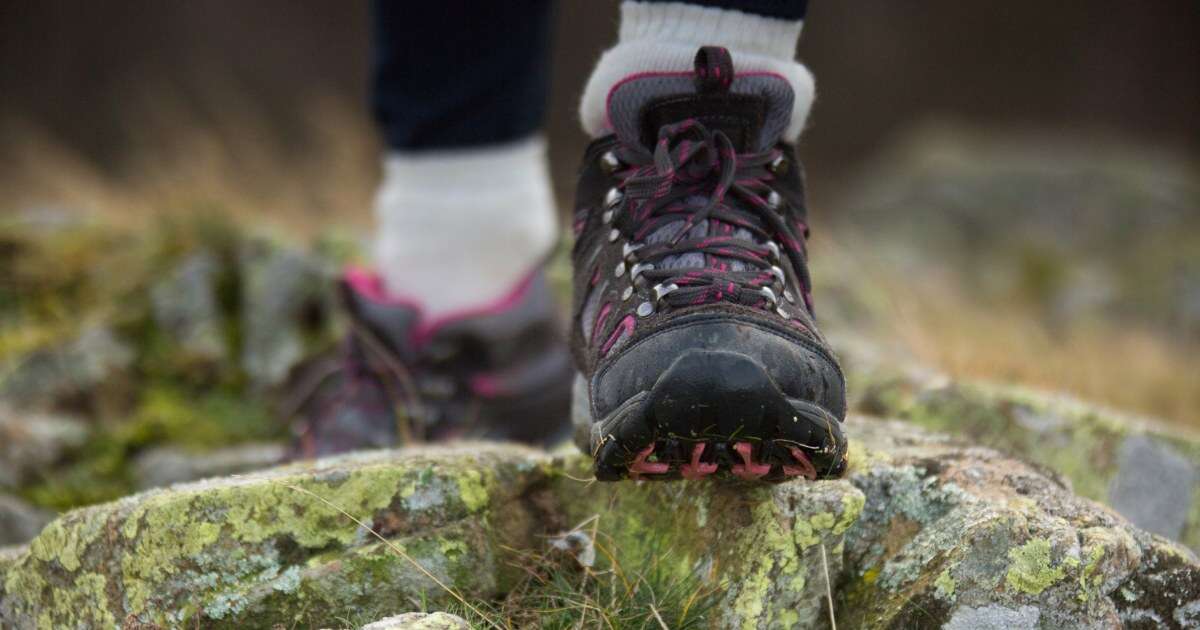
[(712, 414)]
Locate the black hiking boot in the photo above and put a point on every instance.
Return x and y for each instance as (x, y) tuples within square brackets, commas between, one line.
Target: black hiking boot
[(693, 332), (499, 372)]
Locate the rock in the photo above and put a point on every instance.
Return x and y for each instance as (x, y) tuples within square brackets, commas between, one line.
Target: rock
[(950, 535), (78, 366), (958, 536), (285, 304), (1154, 484), (419, 621), (168, 465), (19, 522), (9, 556), (186, 308), (31, 442), (261, 549), (1142, 467)]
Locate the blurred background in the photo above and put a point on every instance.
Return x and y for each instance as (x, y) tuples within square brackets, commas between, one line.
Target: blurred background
[(1005, 191)]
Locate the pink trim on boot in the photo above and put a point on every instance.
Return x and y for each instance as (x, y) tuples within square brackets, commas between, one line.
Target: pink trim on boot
[(369, 284)]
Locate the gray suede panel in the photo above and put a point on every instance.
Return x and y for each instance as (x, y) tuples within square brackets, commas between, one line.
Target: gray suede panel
[(627, 100)]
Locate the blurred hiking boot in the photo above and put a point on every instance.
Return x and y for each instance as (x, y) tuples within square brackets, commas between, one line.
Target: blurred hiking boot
[(500, 371), (693, 330)]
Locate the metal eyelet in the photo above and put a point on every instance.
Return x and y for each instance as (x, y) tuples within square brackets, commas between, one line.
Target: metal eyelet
[(614, 235), (774, 200), (778, 273), (774, 247), (769, 294), (607, 217), (619, 270), (645, 309), (609, 163), (790, 297), (639, 268), (626, 294), (613, 198), (660, 291), (628, 248), (782, 313), (779, 165)]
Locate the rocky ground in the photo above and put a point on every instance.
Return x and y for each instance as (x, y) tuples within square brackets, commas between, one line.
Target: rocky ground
[(924, 531), (133, 360)]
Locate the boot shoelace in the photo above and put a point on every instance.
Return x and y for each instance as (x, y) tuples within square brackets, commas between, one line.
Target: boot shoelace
[(695, 175)]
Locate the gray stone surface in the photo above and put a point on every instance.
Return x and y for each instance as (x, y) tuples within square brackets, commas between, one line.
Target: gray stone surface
[(419, 621), (993, 618), (186, 307), (1144, 468), (278, 287), (76, 366), (164, 466), (1154, 486), (31, 441), (19, 521), (952, 532)]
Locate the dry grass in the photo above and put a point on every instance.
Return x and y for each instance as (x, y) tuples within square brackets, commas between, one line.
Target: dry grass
[(558, 592), (1124, 364), (174, 159)]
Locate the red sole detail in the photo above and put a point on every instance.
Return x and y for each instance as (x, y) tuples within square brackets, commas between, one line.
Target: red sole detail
[(697, 469), (641, 466), (748, 469), (804, 468)]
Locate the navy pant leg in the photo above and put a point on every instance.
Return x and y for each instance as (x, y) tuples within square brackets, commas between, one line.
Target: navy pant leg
[(459, 73), (784, 9)]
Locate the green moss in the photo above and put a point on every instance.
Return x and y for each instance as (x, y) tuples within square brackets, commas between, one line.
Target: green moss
[(84, 605), (852, 507), (1030, 569), (1090, 576), (171, 413), (776, 559), (66, 540), (859, 458), (944, 585), (472, 490), (167, 414)]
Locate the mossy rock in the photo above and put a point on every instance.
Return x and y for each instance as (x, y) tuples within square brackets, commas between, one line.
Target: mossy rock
[(1145, 469), (268, 549), (950, 536), (958, 536)]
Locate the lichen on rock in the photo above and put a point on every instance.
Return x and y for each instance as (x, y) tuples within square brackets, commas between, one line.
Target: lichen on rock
[(956, 535), (1148, 472), (923, 532)]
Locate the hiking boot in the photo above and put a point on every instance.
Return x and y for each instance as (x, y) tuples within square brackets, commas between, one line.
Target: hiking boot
[(693, 330), (499, 372)]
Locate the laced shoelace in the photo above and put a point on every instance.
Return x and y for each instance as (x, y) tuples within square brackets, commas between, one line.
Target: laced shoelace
[(695, 175)]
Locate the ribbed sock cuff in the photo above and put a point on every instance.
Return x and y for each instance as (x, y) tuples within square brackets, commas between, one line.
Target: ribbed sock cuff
[(457, 228), (680, 23), (664, 37)]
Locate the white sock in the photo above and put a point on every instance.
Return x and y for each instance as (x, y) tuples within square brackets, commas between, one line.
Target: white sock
[(461, 228), (664, 37)]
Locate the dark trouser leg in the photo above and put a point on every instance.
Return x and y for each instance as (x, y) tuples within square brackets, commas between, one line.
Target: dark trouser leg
[(784, 9), (459, 73)]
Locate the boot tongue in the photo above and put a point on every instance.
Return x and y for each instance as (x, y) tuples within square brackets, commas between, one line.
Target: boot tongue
[(752, 110), (739, 116)]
